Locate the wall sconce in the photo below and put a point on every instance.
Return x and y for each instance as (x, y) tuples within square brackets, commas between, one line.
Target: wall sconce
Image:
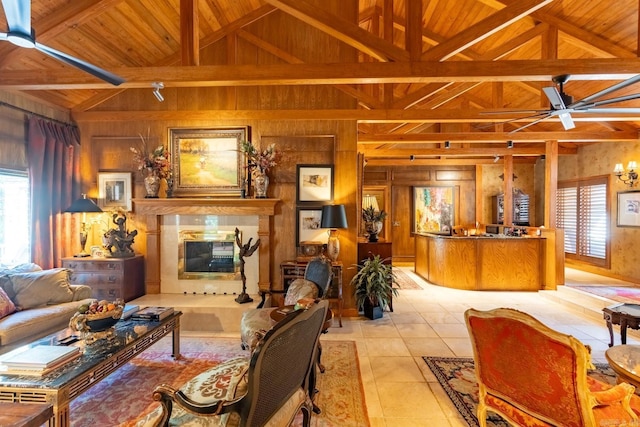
[(630, 177), (83, 205), (447, 145), (333, 217), (509, 144), (156, 90)]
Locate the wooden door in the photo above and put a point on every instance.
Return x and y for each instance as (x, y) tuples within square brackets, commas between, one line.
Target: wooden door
[(403, 241)]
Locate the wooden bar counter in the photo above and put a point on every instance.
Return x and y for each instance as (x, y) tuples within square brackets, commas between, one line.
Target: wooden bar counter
[(481, 263)]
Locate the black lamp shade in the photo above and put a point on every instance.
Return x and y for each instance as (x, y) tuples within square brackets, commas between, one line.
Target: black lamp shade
[(83, 205), (333, 216)]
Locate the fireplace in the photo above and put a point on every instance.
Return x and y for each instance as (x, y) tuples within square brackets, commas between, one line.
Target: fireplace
[(208, 255), (162, 223)]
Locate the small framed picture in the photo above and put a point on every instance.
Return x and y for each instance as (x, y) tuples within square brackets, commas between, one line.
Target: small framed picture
[(114, 191), (629, 209), (315, 183), (97, 252), (309, 226)]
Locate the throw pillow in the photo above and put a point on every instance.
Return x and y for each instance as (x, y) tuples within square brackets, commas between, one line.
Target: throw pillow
[(300, 288), (6, 305), (40, 288), (5, 283)]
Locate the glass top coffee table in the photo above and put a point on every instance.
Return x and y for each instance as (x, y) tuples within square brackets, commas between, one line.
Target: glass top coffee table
[(625, 361), (98, 359)]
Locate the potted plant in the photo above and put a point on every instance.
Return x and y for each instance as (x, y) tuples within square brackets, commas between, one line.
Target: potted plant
[(373, 220), (373, 286)]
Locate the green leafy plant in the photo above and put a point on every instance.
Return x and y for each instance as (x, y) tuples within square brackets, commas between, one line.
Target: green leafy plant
[(374, 281), (369, 214)]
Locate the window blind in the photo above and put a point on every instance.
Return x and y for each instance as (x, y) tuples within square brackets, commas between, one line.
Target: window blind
[(582, 212)]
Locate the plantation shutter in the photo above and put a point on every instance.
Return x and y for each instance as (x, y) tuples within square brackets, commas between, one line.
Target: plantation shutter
[(582, 211)]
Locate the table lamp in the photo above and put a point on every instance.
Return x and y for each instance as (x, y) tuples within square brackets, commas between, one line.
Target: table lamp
[(333, 217), (83, 205)]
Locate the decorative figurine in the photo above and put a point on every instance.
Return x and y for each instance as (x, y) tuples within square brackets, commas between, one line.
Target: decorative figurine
[(245, 251), (118, 241)]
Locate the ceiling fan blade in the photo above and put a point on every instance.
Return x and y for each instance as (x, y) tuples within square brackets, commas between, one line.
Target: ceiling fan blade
[(610, 111), (3, 36), (18, 14), (554, 97), (515, 111), (566, 120), (538, 114), (78, 63), (605, 92), (608, 101), (532, 123)]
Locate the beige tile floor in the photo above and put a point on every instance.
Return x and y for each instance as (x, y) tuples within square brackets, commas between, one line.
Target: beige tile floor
[(400, 390)]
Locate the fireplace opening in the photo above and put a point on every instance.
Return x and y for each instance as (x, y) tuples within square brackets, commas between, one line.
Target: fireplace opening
[(208, 255)]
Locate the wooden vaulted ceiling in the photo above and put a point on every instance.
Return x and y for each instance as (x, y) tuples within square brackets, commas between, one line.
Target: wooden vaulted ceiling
[(428, 71)]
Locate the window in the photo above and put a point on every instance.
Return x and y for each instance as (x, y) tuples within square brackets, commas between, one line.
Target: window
[(15, 232), (583, 213)]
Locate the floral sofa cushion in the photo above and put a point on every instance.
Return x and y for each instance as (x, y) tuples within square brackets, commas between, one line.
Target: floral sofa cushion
[(6, 305)]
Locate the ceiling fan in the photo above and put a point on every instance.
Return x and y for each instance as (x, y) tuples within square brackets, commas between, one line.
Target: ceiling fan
[(562, 104), (18, 14)]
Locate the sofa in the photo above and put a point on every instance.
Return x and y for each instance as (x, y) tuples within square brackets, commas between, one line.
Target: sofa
[(36, 302)]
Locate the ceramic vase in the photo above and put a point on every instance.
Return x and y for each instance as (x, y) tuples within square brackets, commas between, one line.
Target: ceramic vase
[(152, 184), (373, 228), (260, 184), (169, 189)]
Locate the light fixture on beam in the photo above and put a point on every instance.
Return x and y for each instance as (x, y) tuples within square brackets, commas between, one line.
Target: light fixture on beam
[(629, 177), (156, 90), (509, 144), (412, 157), (447, 145)]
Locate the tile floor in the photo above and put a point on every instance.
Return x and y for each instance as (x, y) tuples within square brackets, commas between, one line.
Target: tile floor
[(400, 390)]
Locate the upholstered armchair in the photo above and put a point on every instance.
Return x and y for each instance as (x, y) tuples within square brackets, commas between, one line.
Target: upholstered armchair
[(257, 321), (268, 389), (532, 375)]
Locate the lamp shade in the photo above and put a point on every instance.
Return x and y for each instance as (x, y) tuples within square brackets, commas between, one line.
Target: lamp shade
[(83, 205), (370, 201), (333, 216)]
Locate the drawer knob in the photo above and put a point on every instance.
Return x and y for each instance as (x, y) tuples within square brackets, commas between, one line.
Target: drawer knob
[(112, 279)]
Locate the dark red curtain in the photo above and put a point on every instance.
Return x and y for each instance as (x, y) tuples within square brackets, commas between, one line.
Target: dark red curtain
[(53, 153)]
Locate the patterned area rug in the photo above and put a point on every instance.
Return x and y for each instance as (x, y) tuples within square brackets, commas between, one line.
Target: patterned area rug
[(628, 294), (457, 377), (404, 280), (124, 395)]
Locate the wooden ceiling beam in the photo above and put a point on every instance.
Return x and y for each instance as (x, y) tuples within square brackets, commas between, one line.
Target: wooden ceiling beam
[(341, 29), (189, 35), (444, 161), (361, 115), (483, 29), (344, 73), (530, 150), (574, 136)]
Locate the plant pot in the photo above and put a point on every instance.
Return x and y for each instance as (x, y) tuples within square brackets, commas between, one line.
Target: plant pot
[(373, 228), (371, 311)]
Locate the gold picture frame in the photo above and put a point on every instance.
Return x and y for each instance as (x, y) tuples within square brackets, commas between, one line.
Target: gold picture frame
[(208, 162)]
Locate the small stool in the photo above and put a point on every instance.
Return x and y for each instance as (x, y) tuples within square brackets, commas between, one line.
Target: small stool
[(625, 315)]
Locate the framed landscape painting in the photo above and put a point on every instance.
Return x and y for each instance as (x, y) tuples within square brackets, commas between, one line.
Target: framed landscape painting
[(629, 209), (208, 162), (433, 209)]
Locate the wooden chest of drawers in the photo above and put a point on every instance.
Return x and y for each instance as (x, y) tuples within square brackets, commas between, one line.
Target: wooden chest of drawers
[(110, 278)]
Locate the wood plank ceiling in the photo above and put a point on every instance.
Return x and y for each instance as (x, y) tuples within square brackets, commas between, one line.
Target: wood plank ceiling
[(428, 71)]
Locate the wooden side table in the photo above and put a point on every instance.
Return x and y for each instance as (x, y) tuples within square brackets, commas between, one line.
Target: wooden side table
[(109, 278), (291, 270), (25, 414), (625, 315)]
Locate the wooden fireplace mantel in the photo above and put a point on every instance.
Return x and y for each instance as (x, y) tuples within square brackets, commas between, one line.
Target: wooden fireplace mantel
[(152, 211)]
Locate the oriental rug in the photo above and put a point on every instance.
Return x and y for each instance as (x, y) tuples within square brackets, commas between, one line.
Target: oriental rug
[(405, 281), (126, 394), (458, 379), (627, 294)]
